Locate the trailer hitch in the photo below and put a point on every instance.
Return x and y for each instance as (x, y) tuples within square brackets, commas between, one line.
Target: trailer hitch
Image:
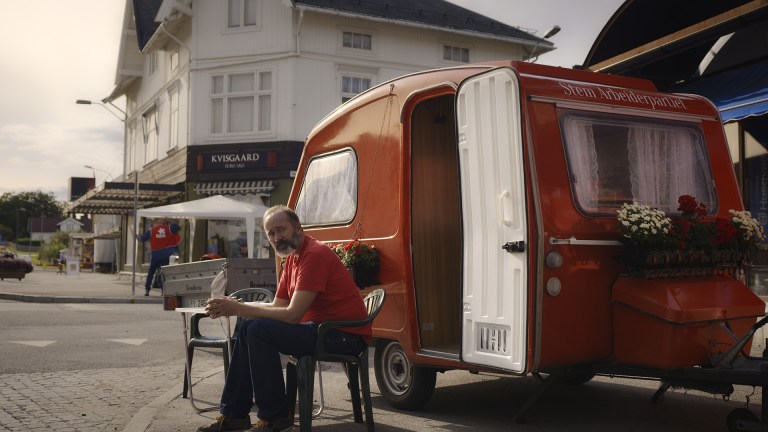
[(727, 359)]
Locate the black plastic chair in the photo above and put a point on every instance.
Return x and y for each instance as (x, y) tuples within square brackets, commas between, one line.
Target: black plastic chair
[(300, 373), (198, 340)]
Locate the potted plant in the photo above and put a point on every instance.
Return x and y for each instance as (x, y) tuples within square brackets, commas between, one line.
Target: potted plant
[(362, 261), (13, 268), (686, 241)]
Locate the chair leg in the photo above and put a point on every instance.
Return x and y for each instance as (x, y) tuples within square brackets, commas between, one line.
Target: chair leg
[(366, 385), (322, 397), (226, 360), (306, 383), (187, 378), (291, 386), (354, 391)]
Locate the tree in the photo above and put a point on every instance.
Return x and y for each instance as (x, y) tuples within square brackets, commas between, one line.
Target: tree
[(17, 208)]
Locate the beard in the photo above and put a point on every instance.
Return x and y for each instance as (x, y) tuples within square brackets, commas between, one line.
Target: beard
[(283, 248)]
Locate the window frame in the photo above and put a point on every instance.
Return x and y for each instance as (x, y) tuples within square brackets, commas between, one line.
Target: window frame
[(242, 26), (454, 46), (354, 75), (357, 51), (610, 119), (174, 92), (336, 186), (173, 60), (220, 103), (150, 127)]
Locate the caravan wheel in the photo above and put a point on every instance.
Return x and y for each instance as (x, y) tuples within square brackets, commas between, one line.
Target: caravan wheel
[(403, 385)]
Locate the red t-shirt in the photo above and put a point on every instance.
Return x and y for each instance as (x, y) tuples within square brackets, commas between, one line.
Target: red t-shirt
[(317, 268)]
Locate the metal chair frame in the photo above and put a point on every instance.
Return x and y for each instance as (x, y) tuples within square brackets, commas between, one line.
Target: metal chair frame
[(300, 372), (198, 340)]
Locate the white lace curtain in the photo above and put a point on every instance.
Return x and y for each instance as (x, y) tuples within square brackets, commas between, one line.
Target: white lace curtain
[(665, 164), (583, 161), (329, 191), (662, 163)]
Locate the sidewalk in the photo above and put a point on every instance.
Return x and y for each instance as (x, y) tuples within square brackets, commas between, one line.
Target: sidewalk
[(45, 285), (169, 412)]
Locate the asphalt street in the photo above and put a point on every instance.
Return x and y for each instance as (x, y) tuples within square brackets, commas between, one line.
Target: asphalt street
[(147, 396)]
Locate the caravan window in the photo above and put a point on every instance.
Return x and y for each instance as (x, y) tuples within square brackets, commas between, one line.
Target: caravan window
[(329, 193), (617, 159)]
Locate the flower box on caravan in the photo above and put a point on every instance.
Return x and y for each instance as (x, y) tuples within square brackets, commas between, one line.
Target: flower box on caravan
[(491, 192)]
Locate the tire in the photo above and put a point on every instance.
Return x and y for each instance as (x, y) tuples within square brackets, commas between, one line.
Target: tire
[(402, 385), (738, 417)]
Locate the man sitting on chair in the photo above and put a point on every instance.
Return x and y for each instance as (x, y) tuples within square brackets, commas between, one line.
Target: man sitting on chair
[(314, 287)]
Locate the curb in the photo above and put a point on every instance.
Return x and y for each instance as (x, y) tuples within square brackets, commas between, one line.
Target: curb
[(28, 298), (143, 419)]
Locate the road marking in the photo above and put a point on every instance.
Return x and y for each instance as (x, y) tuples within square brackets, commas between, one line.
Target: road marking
[(39, 344), (129, 341)]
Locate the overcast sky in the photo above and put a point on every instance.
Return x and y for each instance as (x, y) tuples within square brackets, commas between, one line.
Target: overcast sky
[(55, 52)]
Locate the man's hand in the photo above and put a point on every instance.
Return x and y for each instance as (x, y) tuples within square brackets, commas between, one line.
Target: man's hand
[(219, 307)]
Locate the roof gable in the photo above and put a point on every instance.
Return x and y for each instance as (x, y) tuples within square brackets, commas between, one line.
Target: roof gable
[(437, 13), (145, 12)]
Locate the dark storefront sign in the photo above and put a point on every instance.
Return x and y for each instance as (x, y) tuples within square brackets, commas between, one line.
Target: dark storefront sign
[(757, 169), (242, 161), (236, 160)]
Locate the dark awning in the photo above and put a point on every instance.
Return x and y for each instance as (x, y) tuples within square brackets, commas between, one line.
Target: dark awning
[(737, 93), (684, 33), (235, 187), (119, 197)]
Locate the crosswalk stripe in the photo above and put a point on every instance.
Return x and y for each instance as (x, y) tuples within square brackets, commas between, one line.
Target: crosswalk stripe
[(129, 341), (39, 344)]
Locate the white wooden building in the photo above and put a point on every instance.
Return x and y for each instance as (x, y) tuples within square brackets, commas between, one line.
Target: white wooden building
[(220, 95)]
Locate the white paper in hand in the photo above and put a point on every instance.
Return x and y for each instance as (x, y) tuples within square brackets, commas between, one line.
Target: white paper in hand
[(219, 285)]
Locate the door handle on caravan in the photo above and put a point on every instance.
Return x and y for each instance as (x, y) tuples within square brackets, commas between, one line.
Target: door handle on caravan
[(505, 207), (517, 246)]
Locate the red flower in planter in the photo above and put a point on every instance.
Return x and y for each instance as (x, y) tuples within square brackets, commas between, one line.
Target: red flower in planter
[(725, 232)]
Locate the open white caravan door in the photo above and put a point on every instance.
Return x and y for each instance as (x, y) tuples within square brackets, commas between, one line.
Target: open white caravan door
[(493, 212)]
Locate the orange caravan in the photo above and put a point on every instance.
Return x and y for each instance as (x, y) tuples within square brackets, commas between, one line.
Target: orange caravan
[(503, 199)]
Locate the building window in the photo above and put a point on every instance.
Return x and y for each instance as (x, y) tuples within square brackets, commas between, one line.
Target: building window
[(352, 85), (358, 41), (455, 54), (130, 158), (173, 125), (173, 60), (150, 130), (242, 13), (241, 102), (152, 62)]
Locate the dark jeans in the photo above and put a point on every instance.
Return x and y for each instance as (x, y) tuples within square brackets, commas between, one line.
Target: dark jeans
[(158, 258), (154, 264), (256, 372)]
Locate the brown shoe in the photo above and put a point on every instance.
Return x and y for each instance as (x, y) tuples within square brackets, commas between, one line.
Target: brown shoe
[(227, 424), (273, 425)]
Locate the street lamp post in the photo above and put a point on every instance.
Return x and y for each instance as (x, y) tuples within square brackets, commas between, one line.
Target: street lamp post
[(135, 230), (40, 246), (97, 169), (88, 102), (29, 247), (17, 222)]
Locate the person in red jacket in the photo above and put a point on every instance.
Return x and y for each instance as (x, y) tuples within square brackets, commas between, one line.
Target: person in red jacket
[(163, 242)]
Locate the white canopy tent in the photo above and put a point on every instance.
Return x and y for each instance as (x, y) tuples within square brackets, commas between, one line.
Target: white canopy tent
[(216, 207)]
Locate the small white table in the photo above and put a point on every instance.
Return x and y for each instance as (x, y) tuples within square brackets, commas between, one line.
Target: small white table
[(185, 320)]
